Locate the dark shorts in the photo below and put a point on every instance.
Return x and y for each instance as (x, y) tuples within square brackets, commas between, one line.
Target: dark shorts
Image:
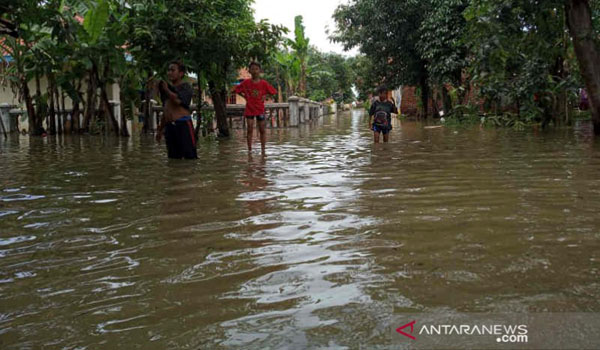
[(383, 130), (181, 139), (259, 118)]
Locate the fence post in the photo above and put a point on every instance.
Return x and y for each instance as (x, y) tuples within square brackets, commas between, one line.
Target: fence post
[(307, 115), (153, 115), (8, 121), (294, 110)]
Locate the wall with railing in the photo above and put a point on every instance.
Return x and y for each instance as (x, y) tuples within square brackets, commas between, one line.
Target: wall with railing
[(293, 113)]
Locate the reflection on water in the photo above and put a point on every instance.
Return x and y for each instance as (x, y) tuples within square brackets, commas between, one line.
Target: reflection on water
[(106, 243)]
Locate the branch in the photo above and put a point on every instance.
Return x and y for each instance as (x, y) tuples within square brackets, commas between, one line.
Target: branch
[(8, 28)]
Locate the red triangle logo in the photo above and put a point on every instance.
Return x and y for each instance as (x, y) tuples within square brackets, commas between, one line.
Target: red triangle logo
[(412, 328)]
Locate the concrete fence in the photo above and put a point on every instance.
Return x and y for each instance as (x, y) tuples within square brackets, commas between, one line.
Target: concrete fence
[(295, 112)]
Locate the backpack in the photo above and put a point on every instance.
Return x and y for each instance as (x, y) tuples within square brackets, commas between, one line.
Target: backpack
[(380, 119)]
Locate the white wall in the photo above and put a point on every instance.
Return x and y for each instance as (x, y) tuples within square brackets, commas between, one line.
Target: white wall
[(8, 97)]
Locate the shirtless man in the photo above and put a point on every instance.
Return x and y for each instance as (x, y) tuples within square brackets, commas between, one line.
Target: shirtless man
[(176, 121)]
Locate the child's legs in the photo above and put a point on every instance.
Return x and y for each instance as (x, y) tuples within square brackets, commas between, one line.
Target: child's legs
[(250, 130), (386, 136), (376, 136), (262, 124)]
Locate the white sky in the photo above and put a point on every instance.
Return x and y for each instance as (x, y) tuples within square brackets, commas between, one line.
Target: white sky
[(316, 16)]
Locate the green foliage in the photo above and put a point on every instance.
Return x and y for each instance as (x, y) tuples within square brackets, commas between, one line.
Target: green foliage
[(95, 20), (128, 41), (331, 75), (300, 56), (328, 75), (516, 54), (364, 81), (441, 42), (300, 69), (387, 33)]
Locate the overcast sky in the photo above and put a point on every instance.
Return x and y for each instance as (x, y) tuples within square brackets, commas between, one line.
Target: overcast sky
[(316, 15)]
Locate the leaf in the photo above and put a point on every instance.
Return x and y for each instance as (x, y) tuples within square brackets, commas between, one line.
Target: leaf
[(95, 20)]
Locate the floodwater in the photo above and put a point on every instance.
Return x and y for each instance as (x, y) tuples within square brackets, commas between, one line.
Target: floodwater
[(105, 244)]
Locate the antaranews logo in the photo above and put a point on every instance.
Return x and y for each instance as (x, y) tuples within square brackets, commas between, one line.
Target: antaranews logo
[(503, 333), (412, 328)]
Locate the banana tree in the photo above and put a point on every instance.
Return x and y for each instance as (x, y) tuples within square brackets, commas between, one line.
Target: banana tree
[(300, 46)]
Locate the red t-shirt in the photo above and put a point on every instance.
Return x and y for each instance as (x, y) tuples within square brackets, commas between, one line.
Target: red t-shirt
[(254, 93)]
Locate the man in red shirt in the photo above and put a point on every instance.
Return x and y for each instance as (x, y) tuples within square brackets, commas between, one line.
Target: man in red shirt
[(255, 92)]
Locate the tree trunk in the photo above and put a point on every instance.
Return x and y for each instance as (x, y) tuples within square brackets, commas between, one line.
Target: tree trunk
[(29, 105), (70, 124), (90, 105), (39, 112), (109, 111), (424, 96), (51, 110), (198, 106), (291, 91), (219, 95), (446, 100), (302, 87), (279, 93), (565, 66), (579, 20), (147, 104), (76, 113), (61, 111), (277, 78), (125, 113), (124, 129)]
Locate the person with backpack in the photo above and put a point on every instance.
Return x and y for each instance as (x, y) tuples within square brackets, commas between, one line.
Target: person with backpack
[(380, 115)]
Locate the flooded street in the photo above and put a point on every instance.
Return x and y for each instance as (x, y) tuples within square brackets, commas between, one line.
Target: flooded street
[(106, 244)]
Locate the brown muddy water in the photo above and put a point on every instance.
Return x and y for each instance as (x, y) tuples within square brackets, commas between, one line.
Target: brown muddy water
[(105, 244)]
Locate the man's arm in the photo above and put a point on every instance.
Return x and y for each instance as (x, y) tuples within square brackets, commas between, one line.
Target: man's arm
[(372, 112), (173, 97)]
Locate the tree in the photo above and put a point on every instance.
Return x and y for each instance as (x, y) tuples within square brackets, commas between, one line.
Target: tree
[(520, 57), (330, 75), (514, 52), (443, 48), (585, 39), (213, 38), (28, 56), (388, 34), (364, 81), (283, 68), (300, 47)]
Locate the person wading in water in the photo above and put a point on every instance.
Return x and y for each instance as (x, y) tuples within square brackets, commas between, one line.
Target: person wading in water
[(176, 121), (380, 115), (254, 91)]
